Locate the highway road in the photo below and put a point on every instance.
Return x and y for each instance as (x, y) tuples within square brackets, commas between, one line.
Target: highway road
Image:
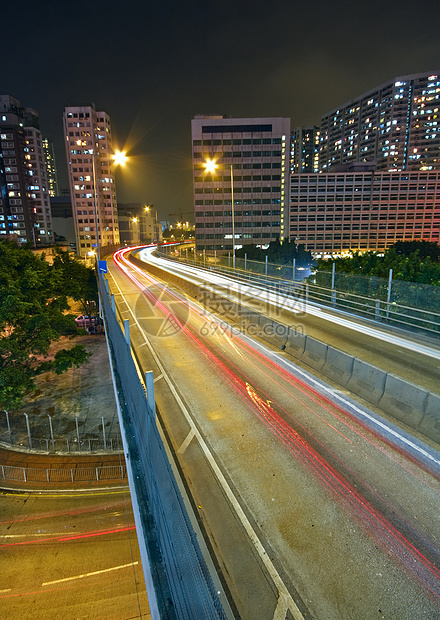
[(311, 506), (70, 555), (413, 357)]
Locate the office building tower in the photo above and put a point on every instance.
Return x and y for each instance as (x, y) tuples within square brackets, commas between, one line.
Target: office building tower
[(251, 157), (89, 153), (51, 167), (359, 209), (24, 200), (395, 126), (304, 149)]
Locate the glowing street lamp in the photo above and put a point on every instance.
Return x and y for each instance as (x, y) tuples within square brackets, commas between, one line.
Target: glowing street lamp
[(210, 166), (135, 220), (120, 158)]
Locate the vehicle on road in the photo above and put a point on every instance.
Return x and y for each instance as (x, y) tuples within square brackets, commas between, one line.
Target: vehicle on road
[(91, 323)]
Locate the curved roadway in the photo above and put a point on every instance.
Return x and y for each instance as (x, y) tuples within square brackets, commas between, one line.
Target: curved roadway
[(308, 505)]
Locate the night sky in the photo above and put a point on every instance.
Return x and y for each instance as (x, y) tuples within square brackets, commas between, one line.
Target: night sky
[(154, 64)]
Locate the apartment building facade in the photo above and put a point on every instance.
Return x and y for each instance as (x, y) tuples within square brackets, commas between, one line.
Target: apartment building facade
[(304, 149), (89, 153), (395, 125), (24, 200), (251, 161), (362, 210), (51, 167)]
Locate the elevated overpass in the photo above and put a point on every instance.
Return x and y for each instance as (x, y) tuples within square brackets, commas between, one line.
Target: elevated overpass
[(263, 451)]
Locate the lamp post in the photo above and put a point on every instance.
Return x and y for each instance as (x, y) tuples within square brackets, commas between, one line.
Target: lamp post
[(119, 158), (135, 220), (233, 217), (210, 166), (95, 202)]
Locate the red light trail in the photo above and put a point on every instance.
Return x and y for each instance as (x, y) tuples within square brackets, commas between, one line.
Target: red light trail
[(393, 541), (67, 538)]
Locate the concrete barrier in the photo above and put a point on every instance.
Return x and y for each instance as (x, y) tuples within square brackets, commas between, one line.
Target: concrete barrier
[(414, 406), (315, 353), (338, 366), (296, 343), (271, 331), (430, 424), (367, 381), (405, 401), (250, 317)]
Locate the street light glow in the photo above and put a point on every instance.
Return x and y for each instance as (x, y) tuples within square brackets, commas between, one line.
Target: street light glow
[(120, 158), (210, 165)]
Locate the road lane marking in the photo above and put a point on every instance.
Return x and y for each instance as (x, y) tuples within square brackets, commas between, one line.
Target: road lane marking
[(241, 515), (96, 572), (5, 590), (186, 442)]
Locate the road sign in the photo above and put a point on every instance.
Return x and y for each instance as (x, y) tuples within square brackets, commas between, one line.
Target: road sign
[(102, 266)]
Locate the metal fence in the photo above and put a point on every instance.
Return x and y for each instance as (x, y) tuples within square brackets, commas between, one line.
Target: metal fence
[(186, 576), (28, 430), (68, 475), (408, 305)]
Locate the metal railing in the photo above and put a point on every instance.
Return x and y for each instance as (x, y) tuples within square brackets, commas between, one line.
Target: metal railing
[(185, 578), (407, 305), (66, 445), (16, 430), (68, 475)]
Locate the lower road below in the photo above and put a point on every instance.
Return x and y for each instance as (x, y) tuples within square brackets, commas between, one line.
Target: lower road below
[(70, 554)]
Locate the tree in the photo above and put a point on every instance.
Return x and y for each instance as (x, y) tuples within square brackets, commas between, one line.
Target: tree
[(76, 281), (425, 249), (33, 314), (411, 267)]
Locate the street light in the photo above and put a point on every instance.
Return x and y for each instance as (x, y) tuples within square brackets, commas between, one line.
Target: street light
[(95, 201), (120, 159), (210, 166), (135, 220)]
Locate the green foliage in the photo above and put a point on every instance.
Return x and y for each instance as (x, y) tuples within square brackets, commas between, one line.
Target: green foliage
[(76, 281), (64, 360), (425, 249), (411, 267), (33, 314), (278, 253)]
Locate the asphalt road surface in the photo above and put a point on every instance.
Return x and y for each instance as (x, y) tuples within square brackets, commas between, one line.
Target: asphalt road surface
[(312, 506), (70, 555)]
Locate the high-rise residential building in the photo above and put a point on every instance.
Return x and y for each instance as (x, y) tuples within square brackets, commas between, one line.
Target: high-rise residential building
[(304, 149), (51, 167), (395, 125), (89, 152), (24, 199), (359, 209), (251, 157)]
